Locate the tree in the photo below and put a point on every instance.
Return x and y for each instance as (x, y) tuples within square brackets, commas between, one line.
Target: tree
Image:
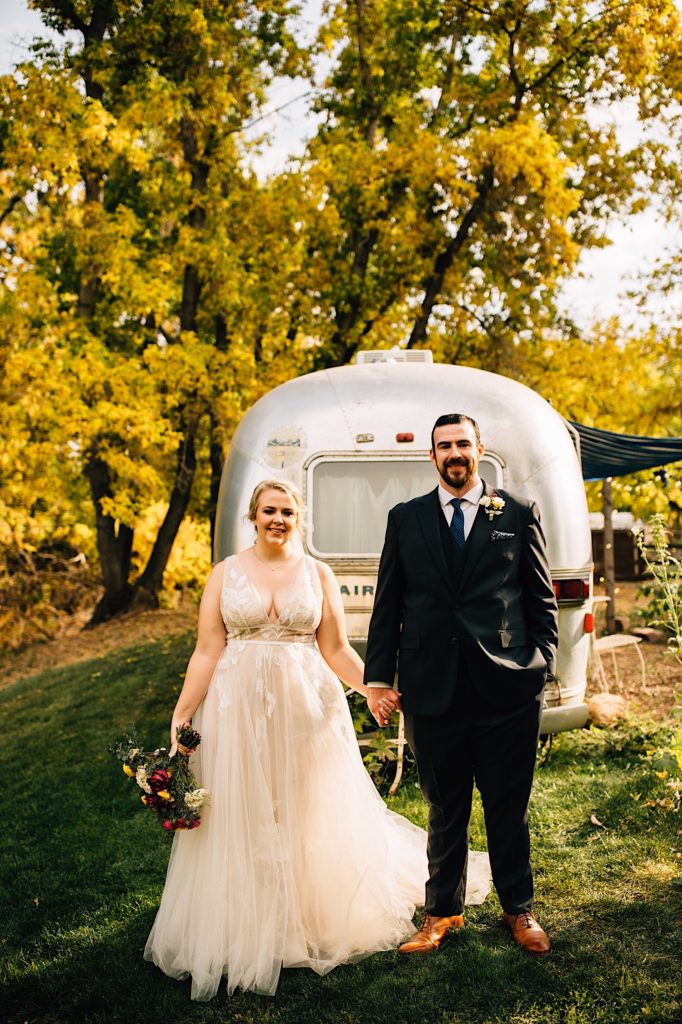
[(123, 189), (620, 380), (458, 172), (156, 286)]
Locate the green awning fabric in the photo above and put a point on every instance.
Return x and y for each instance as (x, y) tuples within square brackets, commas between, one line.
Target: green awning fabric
[(604, 453)]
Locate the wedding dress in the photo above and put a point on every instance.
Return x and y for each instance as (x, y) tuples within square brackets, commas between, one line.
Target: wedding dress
[(298, 862)]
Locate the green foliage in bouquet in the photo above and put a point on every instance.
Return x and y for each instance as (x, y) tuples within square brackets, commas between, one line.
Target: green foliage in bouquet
[(168, 786)]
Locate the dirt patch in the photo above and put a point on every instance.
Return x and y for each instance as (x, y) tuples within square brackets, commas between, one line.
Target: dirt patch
[(76, 643), (655, 695)]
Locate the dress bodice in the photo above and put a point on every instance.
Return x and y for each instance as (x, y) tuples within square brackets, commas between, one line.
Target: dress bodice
[(245, 615)]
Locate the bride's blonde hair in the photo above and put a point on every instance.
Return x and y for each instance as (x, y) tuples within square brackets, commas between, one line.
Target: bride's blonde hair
[(292, 492)]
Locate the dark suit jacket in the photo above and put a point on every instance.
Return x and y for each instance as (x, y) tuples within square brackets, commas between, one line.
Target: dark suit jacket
[(495, 609)]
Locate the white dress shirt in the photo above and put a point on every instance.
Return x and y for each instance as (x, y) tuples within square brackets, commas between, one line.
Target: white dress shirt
[(469, 505)]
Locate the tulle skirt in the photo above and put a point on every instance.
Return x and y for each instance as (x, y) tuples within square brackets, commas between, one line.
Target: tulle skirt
[(298, 862)]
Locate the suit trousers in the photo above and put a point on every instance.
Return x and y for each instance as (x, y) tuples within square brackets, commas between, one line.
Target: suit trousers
[(476, 743)]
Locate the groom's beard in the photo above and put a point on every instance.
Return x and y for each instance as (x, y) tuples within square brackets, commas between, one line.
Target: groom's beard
[(457, 472)]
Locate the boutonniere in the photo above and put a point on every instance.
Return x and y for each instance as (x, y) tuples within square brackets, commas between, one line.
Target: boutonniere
[(493, 505)]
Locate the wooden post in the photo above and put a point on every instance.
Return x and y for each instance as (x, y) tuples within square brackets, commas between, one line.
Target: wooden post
[(609, 561)]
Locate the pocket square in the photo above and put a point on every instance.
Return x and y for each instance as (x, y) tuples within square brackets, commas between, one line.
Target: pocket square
[(501, 535)]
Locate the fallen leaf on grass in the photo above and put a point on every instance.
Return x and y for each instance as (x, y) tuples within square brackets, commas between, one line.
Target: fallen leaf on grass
[(665, 802), (595, 821)]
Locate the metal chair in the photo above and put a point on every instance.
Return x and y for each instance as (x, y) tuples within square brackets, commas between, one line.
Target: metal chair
[(611, 644)]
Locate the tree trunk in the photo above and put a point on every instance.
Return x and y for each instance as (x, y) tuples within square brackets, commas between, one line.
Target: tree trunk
[(217, 459), (609, 559), (216, 451), (114, 546), (148, 586), (191, 289), (114, 542)]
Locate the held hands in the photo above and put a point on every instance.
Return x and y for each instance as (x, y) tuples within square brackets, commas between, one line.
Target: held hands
[(382, 702)]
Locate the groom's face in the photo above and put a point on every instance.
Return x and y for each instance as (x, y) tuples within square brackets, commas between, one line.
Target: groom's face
[(456, 454)]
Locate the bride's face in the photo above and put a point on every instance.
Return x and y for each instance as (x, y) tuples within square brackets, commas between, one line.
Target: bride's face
[(276, 518)]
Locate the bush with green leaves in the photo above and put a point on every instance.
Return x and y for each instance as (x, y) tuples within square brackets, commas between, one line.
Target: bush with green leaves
[(665, 588), (379, 747)]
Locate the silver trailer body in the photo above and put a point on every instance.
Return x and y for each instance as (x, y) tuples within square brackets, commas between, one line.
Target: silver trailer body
[(343, 437)]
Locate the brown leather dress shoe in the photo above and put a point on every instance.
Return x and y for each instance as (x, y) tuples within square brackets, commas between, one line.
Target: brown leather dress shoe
[(527, 933), (431, 933)]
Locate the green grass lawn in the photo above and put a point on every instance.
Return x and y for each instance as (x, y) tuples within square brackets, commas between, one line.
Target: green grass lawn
[(82, 867)]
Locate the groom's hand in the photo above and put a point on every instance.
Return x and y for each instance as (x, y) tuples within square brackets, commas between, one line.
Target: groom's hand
[(382, 702)]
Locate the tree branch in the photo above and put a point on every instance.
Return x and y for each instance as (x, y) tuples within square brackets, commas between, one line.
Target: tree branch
[(520, 87), (63, 14), (447, 80), (11, 204), (365, 74), (434, 283), (554, 67)]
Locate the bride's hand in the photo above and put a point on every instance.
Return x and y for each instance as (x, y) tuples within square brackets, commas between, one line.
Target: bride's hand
[(382, 702), (176, 725)]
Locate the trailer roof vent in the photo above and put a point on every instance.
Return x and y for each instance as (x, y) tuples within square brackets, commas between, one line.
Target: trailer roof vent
[(394, 355)]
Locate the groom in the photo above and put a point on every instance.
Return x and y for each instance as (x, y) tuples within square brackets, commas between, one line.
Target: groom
[(465, 605)]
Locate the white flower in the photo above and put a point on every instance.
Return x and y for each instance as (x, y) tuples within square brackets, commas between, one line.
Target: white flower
[(493, 505), (196, 798), (141, 780), (133, 752)]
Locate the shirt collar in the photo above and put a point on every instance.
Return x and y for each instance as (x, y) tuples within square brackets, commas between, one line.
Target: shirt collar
[(474, 495)]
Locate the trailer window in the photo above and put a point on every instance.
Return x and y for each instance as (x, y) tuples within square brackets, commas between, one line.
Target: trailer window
[(350, 500)]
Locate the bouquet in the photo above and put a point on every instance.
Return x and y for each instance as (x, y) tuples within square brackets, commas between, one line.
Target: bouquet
[(168, 786)]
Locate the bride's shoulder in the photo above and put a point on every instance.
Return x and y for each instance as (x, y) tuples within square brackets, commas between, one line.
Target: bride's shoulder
[(221, 569), (321, 568), (215, 580)]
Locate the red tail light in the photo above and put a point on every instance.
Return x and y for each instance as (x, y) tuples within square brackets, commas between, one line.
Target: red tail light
[(571, 590), (589, 622)]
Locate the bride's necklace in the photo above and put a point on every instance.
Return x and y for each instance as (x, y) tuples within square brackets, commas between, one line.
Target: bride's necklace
[(277, 568)]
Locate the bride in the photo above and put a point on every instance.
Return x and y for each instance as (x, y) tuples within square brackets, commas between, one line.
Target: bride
[(298, 862)]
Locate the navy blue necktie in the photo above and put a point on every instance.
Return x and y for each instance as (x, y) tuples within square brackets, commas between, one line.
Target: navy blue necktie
[(457, 524)]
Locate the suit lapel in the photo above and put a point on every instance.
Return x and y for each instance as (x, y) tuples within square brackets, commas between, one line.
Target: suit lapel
[(430, 527), (478, 537)]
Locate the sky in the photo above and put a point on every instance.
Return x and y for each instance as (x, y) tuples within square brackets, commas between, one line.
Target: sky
[(598, 288)]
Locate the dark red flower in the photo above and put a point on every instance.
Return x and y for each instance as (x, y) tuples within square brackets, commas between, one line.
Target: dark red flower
[(168, 825), (194, 823), (151, 801), (158, 780), (181, 823)]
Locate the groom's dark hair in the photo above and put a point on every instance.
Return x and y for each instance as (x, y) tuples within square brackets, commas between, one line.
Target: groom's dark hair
[(455, 417)]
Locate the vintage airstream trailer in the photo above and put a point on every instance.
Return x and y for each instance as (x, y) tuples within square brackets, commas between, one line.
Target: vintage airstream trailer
[(355, 440)]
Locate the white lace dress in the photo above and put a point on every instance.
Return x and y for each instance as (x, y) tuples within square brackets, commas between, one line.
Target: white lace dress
[(297, 862)]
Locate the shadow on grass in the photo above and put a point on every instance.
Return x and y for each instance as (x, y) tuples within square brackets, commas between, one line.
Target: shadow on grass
[(478, 977)]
